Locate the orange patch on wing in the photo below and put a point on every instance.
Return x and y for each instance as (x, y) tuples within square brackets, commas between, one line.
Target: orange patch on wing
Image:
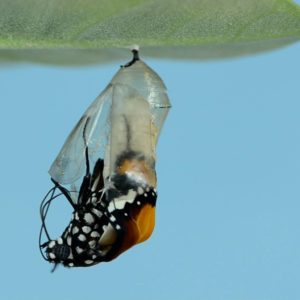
[(145, 222), (138, 228)]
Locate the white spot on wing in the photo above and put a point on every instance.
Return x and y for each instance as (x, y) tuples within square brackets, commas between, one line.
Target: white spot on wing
[(79, 250), (97, 212), (95, 234), (112, 218), (52, 255), (75, 230), (140, 190), (111, 206), (88, 217), (122, 200), (86, 229), (51, 244), (82, 237)]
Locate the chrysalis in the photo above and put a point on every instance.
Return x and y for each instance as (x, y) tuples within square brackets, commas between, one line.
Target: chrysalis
[(106, 170)]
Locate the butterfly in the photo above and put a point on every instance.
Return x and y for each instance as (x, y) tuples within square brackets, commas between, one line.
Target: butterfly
[(106, 171)]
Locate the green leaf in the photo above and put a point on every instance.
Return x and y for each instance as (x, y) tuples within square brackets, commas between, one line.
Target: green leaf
[(90, 31)]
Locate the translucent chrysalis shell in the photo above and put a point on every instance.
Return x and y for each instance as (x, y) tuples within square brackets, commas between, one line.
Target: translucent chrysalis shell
[(106, 169)]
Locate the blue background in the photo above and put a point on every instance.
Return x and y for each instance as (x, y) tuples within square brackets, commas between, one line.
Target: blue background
[(228, 167)]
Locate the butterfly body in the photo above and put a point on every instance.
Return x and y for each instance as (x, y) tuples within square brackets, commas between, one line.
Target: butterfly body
[(109, 222)]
